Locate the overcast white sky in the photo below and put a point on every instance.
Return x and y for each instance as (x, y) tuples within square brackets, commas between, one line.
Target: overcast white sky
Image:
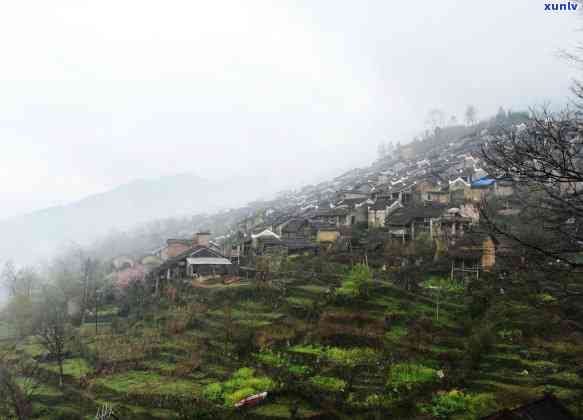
[(94, 94)]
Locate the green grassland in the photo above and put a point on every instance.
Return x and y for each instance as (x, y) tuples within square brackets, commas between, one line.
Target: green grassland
[(347, 358)]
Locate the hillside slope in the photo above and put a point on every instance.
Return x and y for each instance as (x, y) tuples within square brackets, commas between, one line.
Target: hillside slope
[(40, 234)]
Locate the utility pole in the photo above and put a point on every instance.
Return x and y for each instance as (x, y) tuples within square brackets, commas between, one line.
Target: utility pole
[(96, 308)]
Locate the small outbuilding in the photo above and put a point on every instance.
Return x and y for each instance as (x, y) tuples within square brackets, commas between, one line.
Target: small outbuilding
[(194, 262)]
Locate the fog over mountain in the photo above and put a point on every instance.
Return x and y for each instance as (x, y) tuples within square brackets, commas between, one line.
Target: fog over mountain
[(97, 95), (43, 233)]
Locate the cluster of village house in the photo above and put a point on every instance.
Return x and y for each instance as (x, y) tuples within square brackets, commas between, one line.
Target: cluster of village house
[(397, 199)]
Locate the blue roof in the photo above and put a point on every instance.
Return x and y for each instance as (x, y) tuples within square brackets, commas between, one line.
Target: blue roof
[(483, 182)]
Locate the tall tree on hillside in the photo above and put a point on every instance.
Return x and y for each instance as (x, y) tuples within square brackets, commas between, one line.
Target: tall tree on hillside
[(88, 273), (19, 379), (389, 148), (65, 275), (357, 282), (543, 159), (382, 150), (228, 324), (435, 118), (28, 280), (470, 115), (52, 327), (19, 312), (21, 282), (9, 280)]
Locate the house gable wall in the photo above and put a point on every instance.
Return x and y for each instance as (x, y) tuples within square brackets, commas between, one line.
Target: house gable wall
[(327, 236)]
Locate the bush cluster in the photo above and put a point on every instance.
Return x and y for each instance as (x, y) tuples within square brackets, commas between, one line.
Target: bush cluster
[(242, 384), (446, 404)]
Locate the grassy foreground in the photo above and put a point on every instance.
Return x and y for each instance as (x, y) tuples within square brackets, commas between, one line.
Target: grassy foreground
[(320, 354)]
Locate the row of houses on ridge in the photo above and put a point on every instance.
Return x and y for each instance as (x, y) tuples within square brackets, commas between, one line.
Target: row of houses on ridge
[(435, 195)]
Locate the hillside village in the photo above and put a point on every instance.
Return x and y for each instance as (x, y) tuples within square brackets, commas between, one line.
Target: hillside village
[(381, 293), (432, 192), (303, 210)]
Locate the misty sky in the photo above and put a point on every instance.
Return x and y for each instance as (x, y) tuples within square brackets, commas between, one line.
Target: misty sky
[(98, 93)]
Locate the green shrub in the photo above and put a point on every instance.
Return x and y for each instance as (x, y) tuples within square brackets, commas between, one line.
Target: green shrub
[(243, 373), (447, 404), (443, 283), (260, 384), (281, 361), (396, 334), (308, 349), (444, 405), (351, 357), (546, 298), (357, 282), (328, 383), (478, 344), (233, 397), (271, 358), (512, 336), (481, 405), (242, 384), (213, 392), (299, 370), (376, 400), (409, 375)]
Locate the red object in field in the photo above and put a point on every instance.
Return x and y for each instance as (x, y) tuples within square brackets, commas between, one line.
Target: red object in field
[(231, 279), (252, 400)]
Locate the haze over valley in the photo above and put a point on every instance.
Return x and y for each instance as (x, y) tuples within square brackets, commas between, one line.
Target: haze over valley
[(306, 209)]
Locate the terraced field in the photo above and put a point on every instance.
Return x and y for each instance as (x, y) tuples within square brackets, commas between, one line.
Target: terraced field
[(317, 355)]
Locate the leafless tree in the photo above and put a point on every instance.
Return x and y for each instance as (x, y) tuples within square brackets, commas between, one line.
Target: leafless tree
[(543, 160), (19, 311), (389, 148), (382, 150), (228, 324), (18, 382), (435, 118), (9, 279), (470, 115), (19, 282), (51, 326), (88, 273), (28, 280)]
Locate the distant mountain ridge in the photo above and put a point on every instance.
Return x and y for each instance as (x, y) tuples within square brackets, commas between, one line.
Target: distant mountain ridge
[(39, 234)]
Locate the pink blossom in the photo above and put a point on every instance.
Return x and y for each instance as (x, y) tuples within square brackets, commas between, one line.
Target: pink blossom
[(126, 276)]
